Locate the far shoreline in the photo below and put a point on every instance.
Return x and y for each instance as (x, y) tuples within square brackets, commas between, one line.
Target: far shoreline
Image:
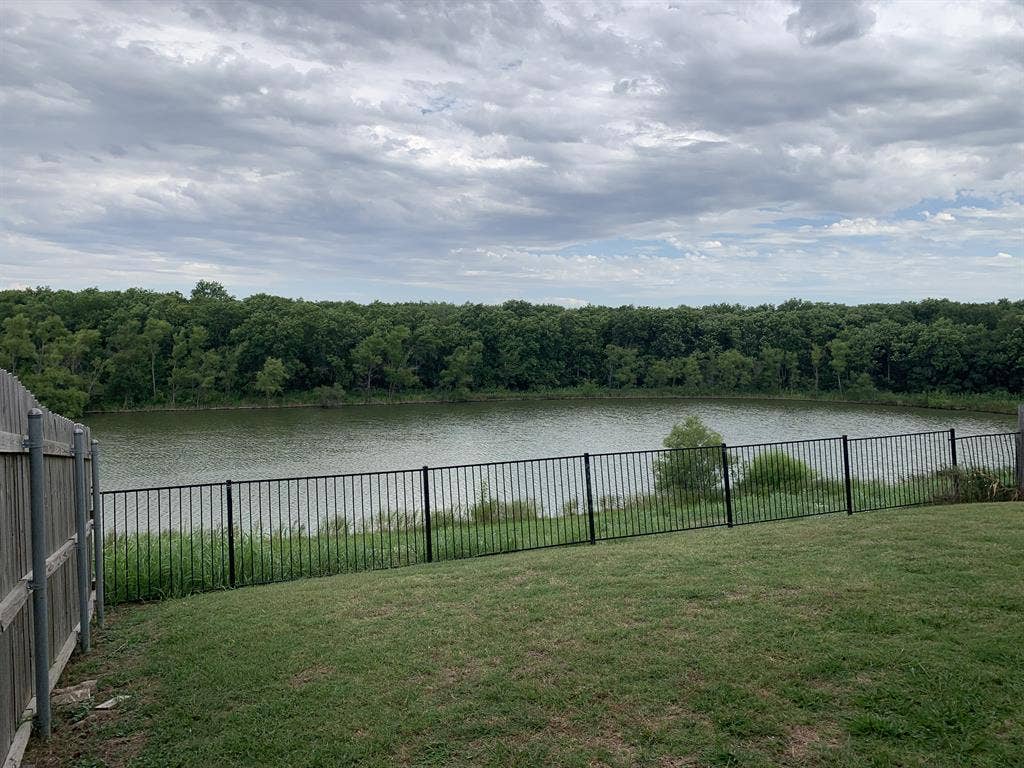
[(1004, 408)]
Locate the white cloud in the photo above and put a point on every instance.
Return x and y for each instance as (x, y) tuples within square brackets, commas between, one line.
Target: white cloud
[(387, 150)]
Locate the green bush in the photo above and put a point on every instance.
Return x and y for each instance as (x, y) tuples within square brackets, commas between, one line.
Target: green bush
[(690, 471), (775, 471)]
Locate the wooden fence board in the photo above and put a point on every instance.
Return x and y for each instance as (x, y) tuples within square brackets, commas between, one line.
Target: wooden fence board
[(17, 647)]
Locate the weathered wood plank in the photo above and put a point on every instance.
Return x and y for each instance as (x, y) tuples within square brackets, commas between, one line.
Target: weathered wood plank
[(18, 596), (17, 697), (12, 442)]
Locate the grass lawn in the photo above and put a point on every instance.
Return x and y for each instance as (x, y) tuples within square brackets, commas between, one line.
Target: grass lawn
[(887, 638)]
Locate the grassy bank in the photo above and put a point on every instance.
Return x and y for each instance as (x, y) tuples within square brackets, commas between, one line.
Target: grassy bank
[(880, 639), (151, 566), (1002, 402)]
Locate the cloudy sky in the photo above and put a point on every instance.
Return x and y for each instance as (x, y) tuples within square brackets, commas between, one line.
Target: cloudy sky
[(651, 153)]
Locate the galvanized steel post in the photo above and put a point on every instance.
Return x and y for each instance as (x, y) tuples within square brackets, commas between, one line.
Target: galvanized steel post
[(81, 541), (97, 528), (40, 612)]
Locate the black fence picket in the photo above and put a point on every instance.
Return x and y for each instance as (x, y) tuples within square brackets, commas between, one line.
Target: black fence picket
[(177, 540)]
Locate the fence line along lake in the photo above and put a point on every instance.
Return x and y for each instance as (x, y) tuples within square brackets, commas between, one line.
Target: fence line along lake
[(170, 448)]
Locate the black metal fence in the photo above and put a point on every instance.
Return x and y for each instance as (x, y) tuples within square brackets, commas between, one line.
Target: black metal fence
[(190, 538)]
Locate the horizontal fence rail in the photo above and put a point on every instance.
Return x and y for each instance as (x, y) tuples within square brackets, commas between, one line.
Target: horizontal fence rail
[(178, 540)]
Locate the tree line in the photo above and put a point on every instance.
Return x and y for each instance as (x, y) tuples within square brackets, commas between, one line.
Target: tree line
[(94, 349)]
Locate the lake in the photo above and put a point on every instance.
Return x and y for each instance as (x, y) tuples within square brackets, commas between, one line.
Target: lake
[(172, 448)]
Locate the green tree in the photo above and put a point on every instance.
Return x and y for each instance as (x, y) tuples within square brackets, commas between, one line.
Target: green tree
[(773, 364), (733, 371), (51, 341), (216, 345), (817, 357), (688, 371), (461, 368), (16, 345), (367, 358), (186, 360), (623, 364), (210, 374), (661, 373), (695, 466), (59, 390), (270, 380), (154, 335), (395, 360), (839, 357), (124, 371)]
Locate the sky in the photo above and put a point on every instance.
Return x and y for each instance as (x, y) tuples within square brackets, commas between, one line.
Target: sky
[(658, 153)]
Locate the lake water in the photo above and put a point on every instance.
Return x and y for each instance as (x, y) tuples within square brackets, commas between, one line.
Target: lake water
[(155, 449)]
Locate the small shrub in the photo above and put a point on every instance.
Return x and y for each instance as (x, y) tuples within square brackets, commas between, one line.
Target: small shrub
[(776, 471), (694, 471)]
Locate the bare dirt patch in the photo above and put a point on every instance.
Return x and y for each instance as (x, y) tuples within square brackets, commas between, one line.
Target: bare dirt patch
[(310, 675), (802, 740)]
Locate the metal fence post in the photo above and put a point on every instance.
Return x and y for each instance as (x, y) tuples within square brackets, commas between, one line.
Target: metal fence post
[(590, 500), (425, 488), (1019, 448), (81, 541), (40, 611), (952, 456), (97, 529), (846, 475), (231, 536), (728, 489)]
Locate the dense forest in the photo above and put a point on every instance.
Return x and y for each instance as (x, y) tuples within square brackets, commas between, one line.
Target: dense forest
[(95, 349)]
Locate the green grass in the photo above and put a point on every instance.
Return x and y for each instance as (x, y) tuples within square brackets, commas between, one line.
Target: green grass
[(882, 639)]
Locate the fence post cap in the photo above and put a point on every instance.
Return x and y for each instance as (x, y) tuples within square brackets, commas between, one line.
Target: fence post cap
[(35, 413), (79, 430), (94, 441)]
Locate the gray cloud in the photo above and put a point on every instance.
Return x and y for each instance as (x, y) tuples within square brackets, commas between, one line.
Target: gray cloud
[(828, 22), (402, 150)]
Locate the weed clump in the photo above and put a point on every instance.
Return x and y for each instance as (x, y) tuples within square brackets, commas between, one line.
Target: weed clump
[(488, 509)]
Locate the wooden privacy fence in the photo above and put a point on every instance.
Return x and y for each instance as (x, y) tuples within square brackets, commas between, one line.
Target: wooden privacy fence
[(51, 568)]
